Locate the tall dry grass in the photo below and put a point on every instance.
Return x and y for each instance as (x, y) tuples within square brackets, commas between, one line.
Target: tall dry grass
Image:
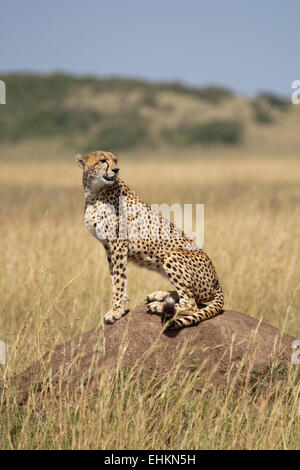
[(54, 284)]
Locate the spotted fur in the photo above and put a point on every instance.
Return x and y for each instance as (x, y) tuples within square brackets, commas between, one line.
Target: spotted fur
[(157, 247)]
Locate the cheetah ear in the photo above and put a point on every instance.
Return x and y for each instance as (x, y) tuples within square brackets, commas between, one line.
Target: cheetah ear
[(80, 160)]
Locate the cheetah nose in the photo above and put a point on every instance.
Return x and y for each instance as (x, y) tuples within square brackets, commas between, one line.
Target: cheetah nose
[(116, 170)]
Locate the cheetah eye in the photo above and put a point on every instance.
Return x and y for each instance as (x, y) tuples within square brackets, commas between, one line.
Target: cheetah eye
[(103, 160)]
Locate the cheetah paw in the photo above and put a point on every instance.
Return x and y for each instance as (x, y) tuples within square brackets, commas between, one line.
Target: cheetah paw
[(155, 307), (114, 315), (157, 296)]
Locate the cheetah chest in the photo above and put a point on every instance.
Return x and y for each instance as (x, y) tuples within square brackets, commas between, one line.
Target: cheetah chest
[(100, 220)]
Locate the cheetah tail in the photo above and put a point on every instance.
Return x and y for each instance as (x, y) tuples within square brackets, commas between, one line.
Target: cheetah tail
[(187, 319)]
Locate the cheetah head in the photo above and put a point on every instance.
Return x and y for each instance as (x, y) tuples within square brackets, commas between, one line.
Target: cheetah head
[(99, 168)]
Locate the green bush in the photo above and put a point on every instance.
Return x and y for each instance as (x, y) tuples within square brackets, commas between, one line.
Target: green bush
[(213, 94), (120, 133), (36, 107), (33, 90), (262, 116), (274, 101), (208, 133), (48, 122), (149, 99)]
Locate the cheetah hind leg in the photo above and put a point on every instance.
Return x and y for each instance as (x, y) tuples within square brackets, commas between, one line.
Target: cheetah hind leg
[(172, 311), (174, 316)]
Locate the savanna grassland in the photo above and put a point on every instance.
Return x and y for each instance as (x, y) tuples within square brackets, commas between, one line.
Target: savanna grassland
[(55, 283)]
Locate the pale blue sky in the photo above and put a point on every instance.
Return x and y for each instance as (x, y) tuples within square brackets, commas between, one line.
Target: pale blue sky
[(245, 45)]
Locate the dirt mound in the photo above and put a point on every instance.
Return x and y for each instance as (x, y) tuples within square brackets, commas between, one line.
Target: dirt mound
[(216, 346)]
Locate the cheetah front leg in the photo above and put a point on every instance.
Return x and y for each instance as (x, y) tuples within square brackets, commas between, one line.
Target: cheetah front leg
[(116, 251)]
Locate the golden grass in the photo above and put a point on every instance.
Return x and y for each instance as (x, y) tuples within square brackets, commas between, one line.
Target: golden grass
[(173, 412), (54, 284)]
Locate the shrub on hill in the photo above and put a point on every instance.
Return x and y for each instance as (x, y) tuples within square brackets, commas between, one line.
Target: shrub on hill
[(207, 133), (121, 133)]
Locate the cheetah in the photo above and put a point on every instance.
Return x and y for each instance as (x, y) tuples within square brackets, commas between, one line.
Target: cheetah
[(153, 242)]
